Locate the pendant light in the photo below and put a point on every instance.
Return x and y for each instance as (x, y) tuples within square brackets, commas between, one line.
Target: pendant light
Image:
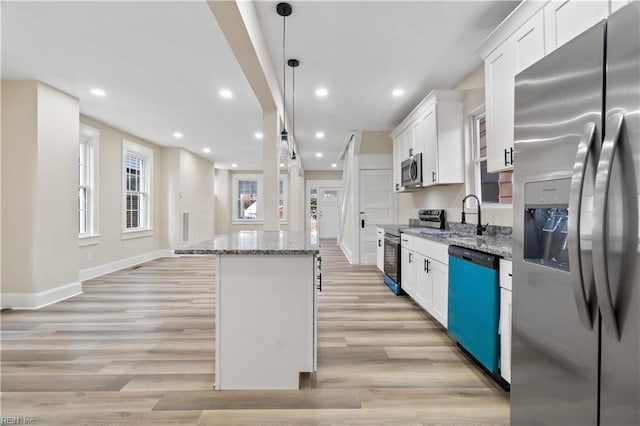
[(284, 10), (293, 63)]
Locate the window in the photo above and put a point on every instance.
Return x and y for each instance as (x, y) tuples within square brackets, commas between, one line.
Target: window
[(248, 192), (137, 176), (87, 186), (490, 187)]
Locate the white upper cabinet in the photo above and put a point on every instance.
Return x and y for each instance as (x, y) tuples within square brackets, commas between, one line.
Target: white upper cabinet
[(566, 19), (397, 177), (435, 129), (523, 48), (534, 29), (499, 71), (528, 42)]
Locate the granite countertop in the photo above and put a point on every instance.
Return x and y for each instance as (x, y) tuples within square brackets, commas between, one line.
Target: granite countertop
[(496, 240), (256, 242)]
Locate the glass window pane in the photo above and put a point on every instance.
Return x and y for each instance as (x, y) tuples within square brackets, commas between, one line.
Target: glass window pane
[(489, 189), (247, 199)]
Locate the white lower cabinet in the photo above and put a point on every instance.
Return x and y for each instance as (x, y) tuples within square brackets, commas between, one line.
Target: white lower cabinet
[(424, 283), (407, 274), (429, 284), (505, 319), (440, 274), (380, 249)]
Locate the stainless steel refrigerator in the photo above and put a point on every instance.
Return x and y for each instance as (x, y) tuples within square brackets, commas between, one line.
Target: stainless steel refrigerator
[(576, 257)]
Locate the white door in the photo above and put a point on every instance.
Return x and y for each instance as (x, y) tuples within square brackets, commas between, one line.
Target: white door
[(328, 211), (376, 208)]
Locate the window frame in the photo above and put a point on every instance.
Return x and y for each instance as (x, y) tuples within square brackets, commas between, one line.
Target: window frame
[(237, 177), (90, 137), (476, 159), (146, 187)]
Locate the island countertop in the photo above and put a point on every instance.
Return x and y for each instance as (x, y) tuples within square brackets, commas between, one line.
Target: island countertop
[(256, 242)]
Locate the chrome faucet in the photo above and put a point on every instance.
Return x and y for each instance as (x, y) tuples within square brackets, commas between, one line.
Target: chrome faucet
[(479, 228)]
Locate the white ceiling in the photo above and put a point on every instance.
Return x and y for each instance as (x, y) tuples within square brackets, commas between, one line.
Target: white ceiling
[(162, 65)]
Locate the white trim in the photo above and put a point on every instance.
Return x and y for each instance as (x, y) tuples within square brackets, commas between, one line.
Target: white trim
[(42, 298), (346, 251), (107, 268), (509, 25), (488, 206), (91, 136), (137, 233), (146, 154), (88, 240), (317, 184)]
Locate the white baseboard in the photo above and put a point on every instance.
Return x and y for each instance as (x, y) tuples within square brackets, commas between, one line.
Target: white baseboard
[(107, 268), (41, 299), (346, 251)]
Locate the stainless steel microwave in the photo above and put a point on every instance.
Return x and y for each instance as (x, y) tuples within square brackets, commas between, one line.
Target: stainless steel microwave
[(412, 172)]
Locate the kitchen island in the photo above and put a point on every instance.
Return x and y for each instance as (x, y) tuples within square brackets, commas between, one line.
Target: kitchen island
[(266, 327)]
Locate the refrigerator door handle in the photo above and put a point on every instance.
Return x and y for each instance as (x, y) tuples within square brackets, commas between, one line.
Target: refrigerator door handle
[(575, 207), (600, 266)]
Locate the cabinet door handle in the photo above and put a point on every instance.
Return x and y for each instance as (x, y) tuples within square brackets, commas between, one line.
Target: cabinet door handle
[(428, 266), (425, 265), (433, 176), (362, 223), (379, 243), (506, 159), (410, 258), (511, 156)]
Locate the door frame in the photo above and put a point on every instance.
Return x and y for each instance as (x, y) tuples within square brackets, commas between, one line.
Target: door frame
[(318, 183)]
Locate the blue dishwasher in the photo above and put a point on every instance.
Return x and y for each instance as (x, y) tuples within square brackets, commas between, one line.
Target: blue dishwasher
[(474, 304)]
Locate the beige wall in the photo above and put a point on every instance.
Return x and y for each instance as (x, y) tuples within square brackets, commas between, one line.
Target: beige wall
[(224, 203), (19, 142), (40, 147), (112, 247), (376, 142), (450, 197), (171, 221), (195, 195)]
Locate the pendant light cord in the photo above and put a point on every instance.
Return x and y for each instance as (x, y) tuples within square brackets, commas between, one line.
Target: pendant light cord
[(293, 94), (284, 73)]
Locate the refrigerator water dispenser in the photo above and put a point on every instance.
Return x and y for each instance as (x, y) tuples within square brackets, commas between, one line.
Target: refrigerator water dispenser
[(546, 227)]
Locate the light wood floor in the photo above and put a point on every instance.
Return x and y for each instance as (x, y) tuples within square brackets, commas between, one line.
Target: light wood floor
[(137, 348)]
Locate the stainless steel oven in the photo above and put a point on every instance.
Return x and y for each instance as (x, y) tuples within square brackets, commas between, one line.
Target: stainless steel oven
[(392, 262)]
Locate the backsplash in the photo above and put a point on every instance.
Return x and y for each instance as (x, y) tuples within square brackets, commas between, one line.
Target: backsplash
[(468, 228), (449, 198)]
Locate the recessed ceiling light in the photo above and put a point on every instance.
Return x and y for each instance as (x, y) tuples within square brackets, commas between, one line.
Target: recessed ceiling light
[(177, 135), (321, 92), (226, 93), (318, 154), (281, 164), (334, 165), (397, 92), (206, 150), (319, 135), (258, 135), (98, 92), (234, 165)]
